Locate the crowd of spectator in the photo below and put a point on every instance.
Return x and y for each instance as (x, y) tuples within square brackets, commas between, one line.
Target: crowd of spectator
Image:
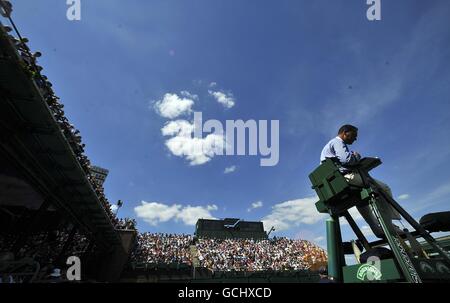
[(257, 255), (162, 248), (72, 135), (40, 257), (229, 254), (48, 245), (45, 248), (126, 223)]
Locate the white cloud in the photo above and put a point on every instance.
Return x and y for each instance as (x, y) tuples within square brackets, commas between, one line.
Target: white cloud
[(213, 84), (291, 213), (190, 214), (403, 197), (229, 169), (155, 213), (255, 205), (172, 106), (197, 150), (319, 239), (114, 207), (212, 207), (187, 94), (178, 128), (224, 99)]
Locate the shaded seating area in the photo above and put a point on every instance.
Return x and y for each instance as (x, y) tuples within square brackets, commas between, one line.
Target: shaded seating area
[(50, 201)]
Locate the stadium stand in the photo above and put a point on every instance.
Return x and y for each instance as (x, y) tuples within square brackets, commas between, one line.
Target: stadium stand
[(166, 257), (50, 206)]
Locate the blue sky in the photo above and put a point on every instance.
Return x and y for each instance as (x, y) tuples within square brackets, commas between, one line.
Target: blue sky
[(312, 65)]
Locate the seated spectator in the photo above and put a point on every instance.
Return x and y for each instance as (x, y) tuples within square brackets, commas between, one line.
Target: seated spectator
[(229, 254)]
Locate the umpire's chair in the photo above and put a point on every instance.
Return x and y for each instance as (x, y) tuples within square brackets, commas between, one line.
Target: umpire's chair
[(398, 255)]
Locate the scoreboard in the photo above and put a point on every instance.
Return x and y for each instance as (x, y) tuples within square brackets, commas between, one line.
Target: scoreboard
[(229, 228)]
